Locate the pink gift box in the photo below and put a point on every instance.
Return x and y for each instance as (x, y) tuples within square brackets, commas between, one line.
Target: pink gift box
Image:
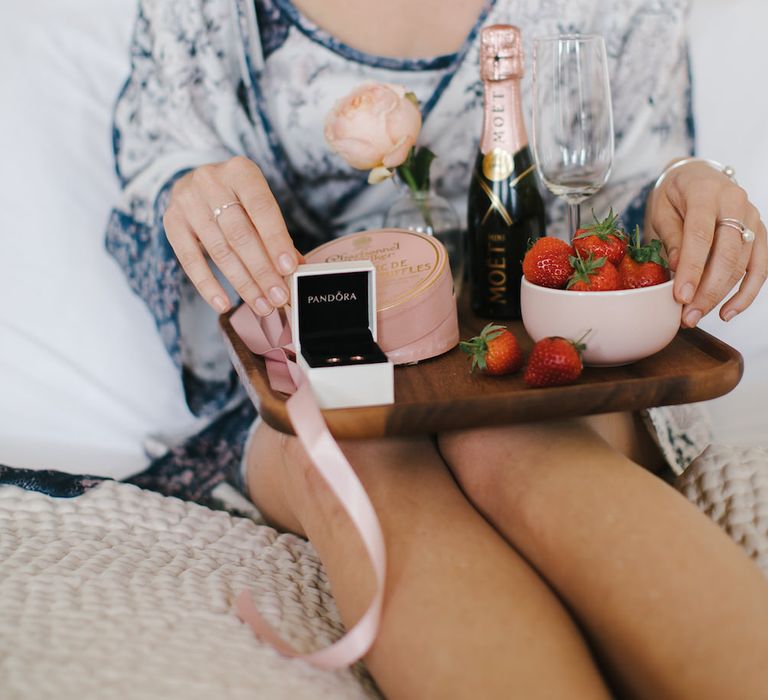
[(416, 309)]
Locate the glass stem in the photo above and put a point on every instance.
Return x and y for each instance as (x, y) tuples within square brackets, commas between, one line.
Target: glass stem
[(574, 219)]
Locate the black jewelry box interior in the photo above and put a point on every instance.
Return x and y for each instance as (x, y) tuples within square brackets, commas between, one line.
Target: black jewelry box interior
[(334, 313), (354, 347)]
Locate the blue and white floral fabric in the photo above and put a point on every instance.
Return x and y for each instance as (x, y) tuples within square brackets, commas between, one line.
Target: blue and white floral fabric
[(212, 79)]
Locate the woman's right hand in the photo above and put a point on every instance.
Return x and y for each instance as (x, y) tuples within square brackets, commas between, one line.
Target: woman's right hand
[(248, 241)]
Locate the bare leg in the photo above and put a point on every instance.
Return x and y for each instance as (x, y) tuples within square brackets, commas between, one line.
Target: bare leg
[(672, 605), (626, 433), (464, 615)]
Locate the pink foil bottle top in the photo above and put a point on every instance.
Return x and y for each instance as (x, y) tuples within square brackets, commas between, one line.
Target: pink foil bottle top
[(416, 310), (501, 69), (501, 53)]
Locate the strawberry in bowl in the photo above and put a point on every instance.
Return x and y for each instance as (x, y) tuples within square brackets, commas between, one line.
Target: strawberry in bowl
[(548, 263), (593, 275), (603, 239), (643, 265)]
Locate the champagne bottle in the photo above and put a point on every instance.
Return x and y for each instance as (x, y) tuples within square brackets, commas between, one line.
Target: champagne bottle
[(505, 207)]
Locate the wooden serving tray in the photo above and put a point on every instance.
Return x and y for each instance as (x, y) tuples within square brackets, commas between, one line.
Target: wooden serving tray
[(441, 394)]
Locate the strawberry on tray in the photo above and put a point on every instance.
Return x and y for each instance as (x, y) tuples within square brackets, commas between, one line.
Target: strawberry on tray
[(495, 351), (554, 362)]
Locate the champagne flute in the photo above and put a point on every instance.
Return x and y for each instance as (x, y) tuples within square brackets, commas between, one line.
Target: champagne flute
[(572, 117)]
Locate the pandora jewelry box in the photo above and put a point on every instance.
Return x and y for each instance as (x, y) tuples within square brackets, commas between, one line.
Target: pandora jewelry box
[(334, 334)]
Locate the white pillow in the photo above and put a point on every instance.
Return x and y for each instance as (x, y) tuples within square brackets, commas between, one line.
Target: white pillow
[(83, 375)]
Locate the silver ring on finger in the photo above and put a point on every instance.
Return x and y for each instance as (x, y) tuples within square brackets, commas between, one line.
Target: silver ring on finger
[(216, 212), (747, 234)]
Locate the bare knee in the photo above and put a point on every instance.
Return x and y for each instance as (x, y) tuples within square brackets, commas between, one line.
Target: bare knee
[(477, 460), (464, 454), (499, 466), (386, 468), (626, 433)]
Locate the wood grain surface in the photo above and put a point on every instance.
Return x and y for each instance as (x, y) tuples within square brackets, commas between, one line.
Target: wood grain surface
[(441, 394)]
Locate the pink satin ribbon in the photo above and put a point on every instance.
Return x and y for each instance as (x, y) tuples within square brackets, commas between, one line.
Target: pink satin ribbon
[(270, 337)]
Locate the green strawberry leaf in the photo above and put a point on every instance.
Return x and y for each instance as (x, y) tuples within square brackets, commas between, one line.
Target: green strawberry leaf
[(584, 269), (650, 252), (477, 347), (602, 228)]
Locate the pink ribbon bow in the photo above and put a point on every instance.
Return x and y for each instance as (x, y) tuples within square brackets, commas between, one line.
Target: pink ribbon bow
[(270, 337)]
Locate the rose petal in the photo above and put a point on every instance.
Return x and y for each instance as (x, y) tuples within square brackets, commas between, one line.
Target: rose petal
[(378, 175), (366, 126), (383, 98), (358, 153), (404, 121), (399, 90), (373, 122), (399, 153), (330, 137)]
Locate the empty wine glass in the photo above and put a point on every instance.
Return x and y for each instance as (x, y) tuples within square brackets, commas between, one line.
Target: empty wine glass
[(572, 117)]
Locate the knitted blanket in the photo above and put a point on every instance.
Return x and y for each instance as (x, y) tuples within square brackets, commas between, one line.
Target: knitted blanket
[(118, 592), (124, 593)]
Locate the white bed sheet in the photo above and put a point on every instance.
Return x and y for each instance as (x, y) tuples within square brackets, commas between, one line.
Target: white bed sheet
[(83, 375)]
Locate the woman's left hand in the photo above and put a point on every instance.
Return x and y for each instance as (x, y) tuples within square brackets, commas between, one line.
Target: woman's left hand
[(708, 258)]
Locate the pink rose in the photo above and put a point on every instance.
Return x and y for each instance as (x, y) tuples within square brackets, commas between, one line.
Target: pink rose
[(375, 126)]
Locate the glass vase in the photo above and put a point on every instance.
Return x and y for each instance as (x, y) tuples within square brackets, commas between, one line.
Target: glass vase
[(425, 212)]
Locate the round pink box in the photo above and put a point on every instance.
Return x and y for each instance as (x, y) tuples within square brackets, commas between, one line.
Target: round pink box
[(416, 309)]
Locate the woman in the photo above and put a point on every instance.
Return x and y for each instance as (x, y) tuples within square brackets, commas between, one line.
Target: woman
[(530, 561)]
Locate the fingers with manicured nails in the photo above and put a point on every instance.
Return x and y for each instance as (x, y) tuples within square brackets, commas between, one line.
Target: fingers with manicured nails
[(252, 189), (222, 253), (757, 270), (244, 241), (726, 267), (186, 246), (727, 256), (249, 243), (698, 233), (242, 237)]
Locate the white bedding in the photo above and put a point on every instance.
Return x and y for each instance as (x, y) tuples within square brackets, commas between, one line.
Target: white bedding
[(83, 376)]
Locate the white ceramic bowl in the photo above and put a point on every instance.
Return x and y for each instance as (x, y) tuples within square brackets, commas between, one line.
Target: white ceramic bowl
[(626, 325)]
